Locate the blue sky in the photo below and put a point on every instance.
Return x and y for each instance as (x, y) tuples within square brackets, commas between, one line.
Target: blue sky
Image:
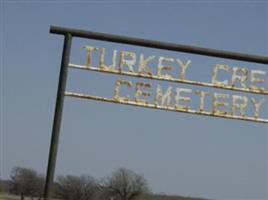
[(177, 153)]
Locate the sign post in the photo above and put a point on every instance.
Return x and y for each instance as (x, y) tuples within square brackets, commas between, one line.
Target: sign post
[(57, 115), (162, 100)]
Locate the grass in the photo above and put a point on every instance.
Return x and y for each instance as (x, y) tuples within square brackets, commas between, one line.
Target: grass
[(9, 197), (4, 196), (13, 197)]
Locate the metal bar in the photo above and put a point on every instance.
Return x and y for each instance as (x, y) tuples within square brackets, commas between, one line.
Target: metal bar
[(167, 108), (159, 45), (58, 115), (155, 77)]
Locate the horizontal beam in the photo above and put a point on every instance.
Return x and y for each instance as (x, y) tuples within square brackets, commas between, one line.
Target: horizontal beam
[(159, 45), (167, 108), (183, 81)]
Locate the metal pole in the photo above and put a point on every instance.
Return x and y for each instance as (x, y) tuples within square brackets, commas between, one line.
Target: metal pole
[(57, 115), (159, 45)]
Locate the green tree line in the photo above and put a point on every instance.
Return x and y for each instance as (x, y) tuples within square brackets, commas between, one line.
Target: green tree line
[(122, 184)]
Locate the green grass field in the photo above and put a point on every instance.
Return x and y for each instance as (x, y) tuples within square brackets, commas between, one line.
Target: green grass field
[(9, 197), (6, 196), (13, 197)]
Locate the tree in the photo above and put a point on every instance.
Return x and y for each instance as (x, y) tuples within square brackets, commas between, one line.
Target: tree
[(26, 182), (75, 187), (39, 192), (4, 186), (125, 184)]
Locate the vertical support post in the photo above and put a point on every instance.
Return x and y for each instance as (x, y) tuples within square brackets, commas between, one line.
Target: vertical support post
[(57, 115)]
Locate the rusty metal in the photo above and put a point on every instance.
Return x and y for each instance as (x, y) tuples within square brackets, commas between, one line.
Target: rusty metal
[(57, 115), (69, 33), (159, 45), (170, 79), (167, 108)]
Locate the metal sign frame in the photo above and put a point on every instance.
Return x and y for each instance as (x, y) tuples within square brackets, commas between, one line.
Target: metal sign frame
[(69, 33)]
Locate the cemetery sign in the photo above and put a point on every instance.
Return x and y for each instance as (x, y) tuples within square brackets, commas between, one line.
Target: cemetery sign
[(239, 79)]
